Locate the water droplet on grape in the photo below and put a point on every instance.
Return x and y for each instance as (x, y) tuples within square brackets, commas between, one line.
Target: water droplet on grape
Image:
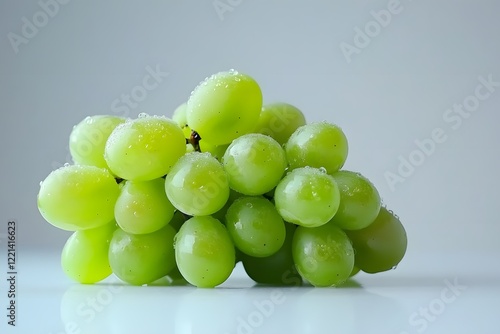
[(142, 115), (41, 182), (394, 267), (66, 164), (322, 169)]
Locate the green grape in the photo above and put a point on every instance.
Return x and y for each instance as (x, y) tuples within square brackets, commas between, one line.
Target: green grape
[(279, 268), (84, 257), (355, 270), (204, 252), (359, 201), (381, 245), (179, 117), (255, 226), (221, 214), (224, 107), (320, 145), (255, 163), (279, 120), (140, 259), (216, 151), (88, 139), (145, 148), (78, 197), (197, 184), (143, 206), (177, 220), (307, 196), (323, 255)]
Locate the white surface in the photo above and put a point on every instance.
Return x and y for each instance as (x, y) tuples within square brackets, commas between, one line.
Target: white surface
[(392, 302), (394, 92)]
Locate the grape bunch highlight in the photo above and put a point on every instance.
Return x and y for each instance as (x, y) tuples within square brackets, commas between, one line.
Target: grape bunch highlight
[(226, 179)]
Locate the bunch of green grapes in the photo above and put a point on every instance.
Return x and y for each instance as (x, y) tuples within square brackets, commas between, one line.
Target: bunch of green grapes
[(225, 179)]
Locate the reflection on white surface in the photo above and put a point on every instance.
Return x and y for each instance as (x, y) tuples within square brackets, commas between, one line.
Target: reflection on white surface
[(404, 301)]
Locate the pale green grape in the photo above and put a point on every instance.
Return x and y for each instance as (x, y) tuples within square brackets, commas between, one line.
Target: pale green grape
[(323, 255), (381, 245), (204, 252), (279, 120), (197, 184), (255, 163), (78, 197), (307, 196), (278, 268), (255, 226), (84, 257), (355, 270), (177, 220), (217, 151), (224, 107), (142, 258), (221, 214), (145, 148), (317, 145), (179, 117), (88, 139), (143, 206), (359, 201)]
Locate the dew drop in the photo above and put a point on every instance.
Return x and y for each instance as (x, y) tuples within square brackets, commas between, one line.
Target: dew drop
[(142, 115), (322, 169), (41, 182), (66, 164), (393, 268)]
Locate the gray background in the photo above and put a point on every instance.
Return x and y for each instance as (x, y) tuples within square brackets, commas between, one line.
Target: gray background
[(395, 91)]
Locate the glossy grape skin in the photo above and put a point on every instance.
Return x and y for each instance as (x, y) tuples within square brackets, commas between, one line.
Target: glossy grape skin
[(143, 206), (204, 252), (355, 270), (78, 197), (323, 255), (359, 201), (320, 145), (84, 257), (307, 196), (197, 184), (216, 151), (145, 148), (224, 107), (255, 226), (142, 258), (179, 115), (276, 269), (88, 139), (381, 245), (279, 120), (255, 163)]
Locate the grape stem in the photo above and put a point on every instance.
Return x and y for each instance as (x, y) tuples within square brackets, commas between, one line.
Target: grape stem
[(194, 140)]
